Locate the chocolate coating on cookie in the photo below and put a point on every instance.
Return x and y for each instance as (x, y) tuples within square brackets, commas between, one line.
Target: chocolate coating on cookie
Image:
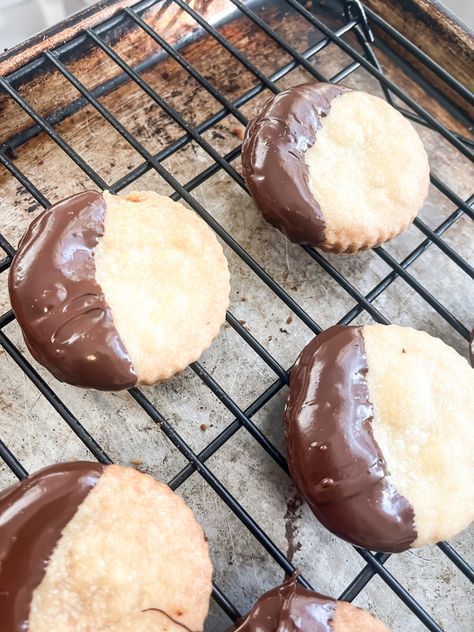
[(273, 159), (333, 457), (66, 321), (289, 608), (33, 514)]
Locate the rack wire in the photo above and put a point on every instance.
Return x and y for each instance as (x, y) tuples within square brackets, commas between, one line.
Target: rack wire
[(357, 22)]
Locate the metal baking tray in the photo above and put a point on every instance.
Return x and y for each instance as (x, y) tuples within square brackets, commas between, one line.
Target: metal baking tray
[(155, 95)]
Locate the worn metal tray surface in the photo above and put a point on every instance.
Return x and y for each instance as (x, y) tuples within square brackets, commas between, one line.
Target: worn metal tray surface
[(155, 96)]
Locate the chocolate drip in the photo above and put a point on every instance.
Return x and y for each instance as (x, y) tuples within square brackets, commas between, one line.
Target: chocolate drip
[(66, 322), (334, 459), (289, 608), (273, 159), (33, 514)]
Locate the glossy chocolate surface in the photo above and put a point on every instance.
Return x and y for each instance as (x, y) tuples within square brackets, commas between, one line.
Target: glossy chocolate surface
[(33, 514), (66, 321), (289, 608), (334, 459), (273, 159)]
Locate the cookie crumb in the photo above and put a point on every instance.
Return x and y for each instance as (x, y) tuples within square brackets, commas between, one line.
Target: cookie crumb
[(243, 322), (217, 135), (238, 131), (136, 461), (289, 320), (283, 331), (203, 427), (404, 350), (270, 338), (244, 299)]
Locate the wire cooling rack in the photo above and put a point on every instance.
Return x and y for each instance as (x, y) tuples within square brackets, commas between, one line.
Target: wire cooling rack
[(358, 22)]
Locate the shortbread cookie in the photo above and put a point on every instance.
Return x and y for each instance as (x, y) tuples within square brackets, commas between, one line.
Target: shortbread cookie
[(86, 547), (379, 430), (114, 291), (339, 169), (292, 607)]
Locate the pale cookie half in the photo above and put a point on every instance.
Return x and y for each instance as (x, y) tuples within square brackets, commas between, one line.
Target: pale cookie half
[(339, 169), (91, 548), (379, 430), (174, 274), (292, 607), (422, 393), (114, 291)]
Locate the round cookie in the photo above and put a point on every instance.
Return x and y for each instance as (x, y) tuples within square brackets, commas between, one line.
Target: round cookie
[(92, 547), (292, 607), (339, 169), (379, 430), (114, 291)]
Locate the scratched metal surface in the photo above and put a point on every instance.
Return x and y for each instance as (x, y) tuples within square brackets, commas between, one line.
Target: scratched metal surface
[(38, 436)]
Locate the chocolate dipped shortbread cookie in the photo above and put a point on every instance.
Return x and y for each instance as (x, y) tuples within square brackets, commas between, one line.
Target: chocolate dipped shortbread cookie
[(292, 608), (114, 291), (339, 169), (86, 547), (379, 430)]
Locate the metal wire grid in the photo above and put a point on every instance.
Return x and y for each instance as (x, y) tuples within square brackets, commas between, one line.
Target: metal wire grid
[(356, 21)]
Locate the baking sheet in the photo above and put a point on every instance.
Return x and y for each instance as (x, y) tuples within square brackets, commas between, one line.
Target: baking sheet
[(38, 436)]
